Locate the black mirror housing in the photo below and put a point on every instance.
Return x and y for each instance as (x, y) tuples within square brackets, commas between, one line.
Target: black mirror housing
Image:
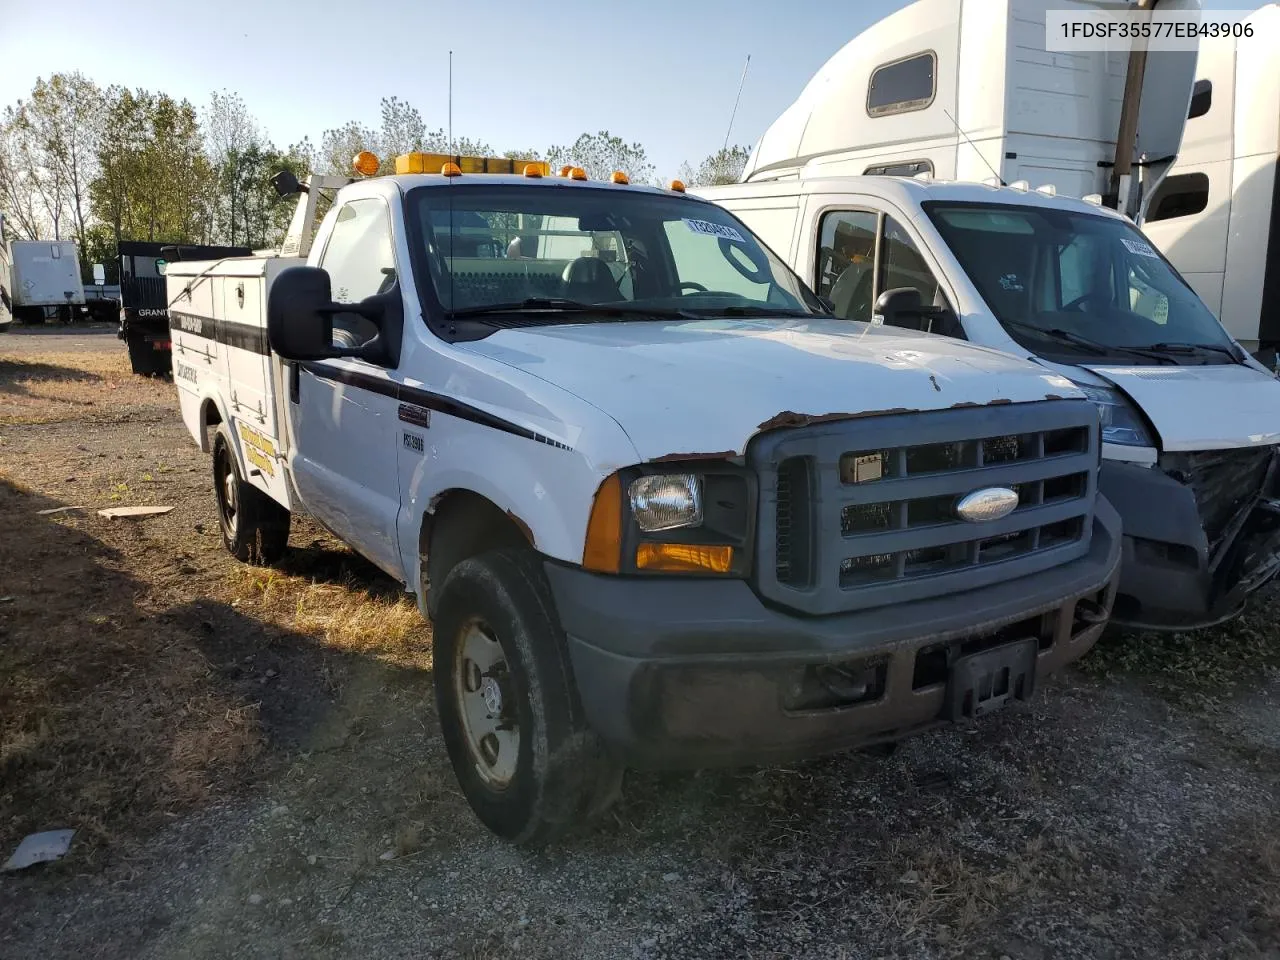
[(300, 315), (286, 184), (903, 307)]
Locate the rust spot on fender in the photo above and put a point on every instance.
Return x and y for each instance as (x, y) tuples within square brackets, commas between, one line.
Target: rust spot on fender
[(990, 403), (722, 455), (788, 418), (524, 527)]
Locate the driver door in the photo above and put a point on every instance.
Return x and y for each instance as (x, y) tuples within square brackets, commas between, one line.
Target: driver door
[(344, 410)]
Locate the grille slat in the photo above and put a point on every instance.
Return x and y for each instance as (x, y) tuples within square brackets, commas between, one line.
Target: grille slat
[(1222, 481), (880, 496)]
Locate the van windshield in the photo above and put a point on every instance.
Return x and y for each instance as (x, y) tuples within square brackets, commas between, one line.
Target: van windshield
[(579, 254), (1072, 284)]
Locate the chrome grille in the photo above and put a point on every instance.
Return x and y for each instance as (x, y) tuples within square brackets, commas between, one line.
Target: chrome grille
[(877, 519)]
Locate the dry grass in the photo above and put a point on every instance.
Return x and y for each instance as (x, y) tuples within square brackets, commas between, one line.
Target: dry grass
[(1196, 668), (107, 715), (57, 387), (352, 615)]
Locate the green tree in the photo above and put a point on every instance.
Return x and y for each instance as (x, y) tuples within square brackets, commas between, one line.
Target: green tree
[(600, 154), (154, 180), (63, 121), (18, 198), (723, 166)]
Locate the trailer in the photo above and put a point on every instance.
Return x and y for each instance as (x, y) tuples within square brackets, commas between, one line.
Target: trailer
[(40, 278), (965, 90)]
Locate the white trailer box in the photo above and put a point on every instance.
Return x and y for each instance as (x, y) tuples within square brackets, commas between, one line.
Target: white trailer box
[(46, 273), (964, 89), (1217, 215)]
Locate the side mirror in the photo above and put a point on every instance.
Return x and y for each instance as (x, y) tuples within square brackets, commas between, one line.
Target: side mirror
[(300, 312), (903, 307), (286, 184)]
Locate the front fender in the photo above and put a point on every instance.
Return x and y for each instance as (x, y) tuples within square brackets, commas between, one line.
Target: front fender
[(547, 490)]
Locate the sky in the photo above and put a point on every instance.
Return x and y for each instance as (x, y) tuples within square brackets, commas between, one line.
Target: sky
[(525, 74)]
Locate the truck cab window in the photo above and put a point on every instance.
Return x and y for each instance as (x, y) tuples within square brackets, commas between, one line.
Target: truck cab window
[(360, 261), (901, 264), (846, 262)]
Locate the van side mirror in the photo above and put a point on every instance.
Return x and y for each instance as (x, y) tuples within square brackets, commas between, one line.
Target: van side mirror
[(903, 307)]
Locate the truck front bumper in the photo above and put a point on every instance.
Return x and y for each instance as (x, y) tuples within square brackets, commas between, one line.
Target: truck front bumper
[(697, 673), (1171, 578)]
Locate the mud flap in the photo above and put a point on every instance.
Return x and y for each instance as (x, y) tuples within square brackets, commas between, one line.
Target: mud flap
[(982, 683)]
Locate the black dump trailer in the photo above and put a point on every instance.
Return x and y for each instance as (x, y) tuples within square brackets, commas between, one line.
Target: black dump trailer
[(144, 307)]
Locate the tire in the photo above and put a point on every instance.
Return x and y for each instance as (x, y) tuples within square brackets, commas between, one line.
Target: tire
[(496, 632), (145, 359), (255, 529)]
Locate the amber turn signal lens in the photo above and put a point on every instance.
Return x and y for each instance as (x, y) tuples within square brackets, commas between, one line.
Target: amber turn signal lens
[(619, 177), (365, 163), (603, 550), (676, 185), (577, 173), (684, 558), (451, 170)]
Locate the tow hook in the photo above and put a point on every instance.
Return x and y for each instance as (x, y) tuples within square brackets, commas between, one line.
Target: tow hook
[(1090, 612)]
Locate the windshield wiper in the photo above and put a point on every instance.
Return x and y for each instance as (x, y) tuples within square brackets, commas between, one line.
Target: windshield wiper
[(1193, 348), (738, 310), (1091, 346), (561, 305)]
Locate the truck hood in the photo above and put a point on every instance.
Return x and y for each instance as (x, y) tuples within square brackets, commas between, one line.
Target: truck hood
[(688, 387), (1203, 408)]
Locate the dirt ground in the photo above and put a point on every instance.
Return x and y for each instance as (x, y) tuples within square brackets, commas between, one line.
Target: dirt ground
[(251, 759)]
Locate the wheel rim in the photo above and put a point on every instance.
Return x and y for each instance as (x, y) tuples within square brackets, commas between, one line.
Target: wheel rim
[(486, 704), (225, 482)]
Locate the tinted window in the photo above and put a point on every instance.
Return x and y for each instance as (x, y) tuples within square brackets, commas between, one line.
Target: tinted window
[(902, 86), (846, 262), (1179, 196), (1201, 98), (901, 264), (909, 169)]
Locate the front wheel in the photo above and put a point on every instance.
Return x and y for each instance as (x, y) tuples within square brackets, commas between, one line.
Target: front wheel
[(509, 709), (255, 528)]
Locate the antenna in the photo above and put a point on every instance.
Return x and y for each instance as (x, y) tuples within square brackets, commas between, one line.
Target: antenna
[(735, 101), (993, 170), (449, 186)]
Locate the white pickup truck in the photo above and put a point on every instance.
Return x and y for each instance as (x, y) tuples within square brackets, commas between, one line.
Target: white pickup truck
[(661, 507)]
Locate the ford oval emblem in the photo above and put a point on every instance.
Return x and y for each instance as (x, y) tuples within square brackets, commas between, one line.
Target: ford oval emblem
[(991, 503)]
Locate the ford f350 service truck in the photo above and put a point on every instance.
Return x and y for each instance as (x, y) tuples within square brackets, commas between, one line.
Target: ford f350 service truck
[(1191, 422), (661, 508)]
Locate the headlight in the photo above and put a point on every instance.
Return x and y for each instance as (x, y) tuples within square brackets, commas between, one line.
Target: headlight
[(699, 520), (1121, 423), (666, 502)]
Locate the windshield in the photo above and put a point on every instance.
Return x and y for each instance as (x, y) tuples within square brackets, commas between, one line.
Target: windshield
[(1079, 284), (490, 250)]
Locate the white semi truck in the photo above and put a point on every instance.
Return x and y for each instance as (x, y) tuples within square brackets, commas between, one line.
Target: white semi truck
[(661, 508), (1216, 216), (858, 186)]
